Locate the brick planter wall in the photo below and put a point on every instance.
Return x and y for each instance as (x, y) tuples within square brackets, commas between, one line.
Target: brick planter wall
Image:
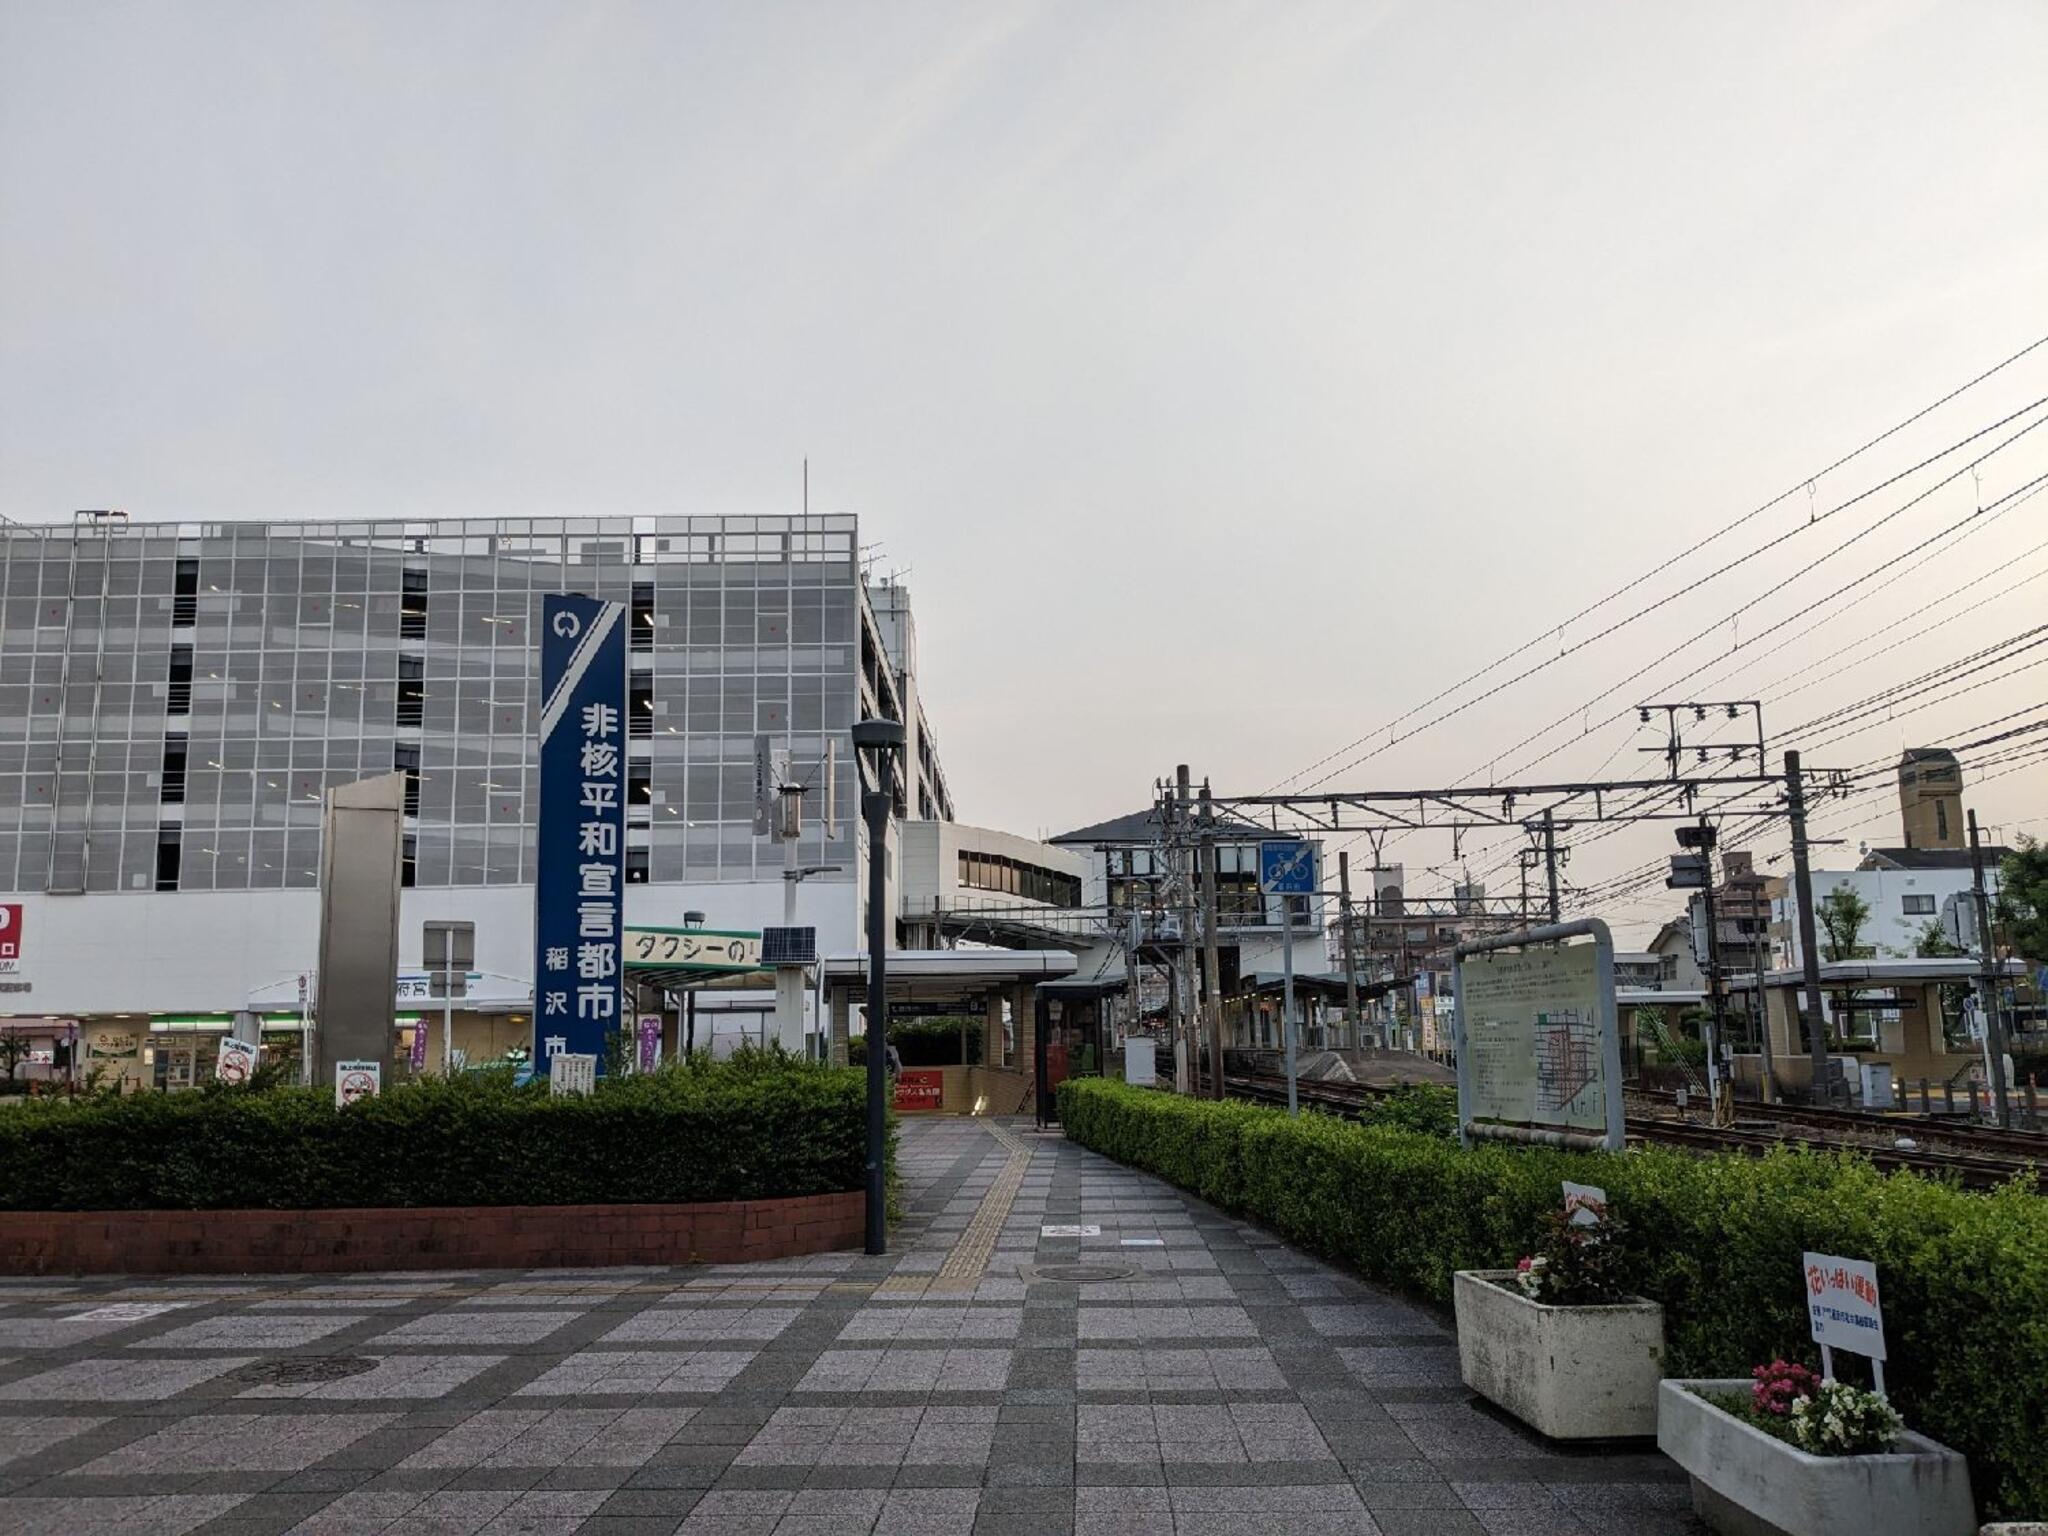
[(457, 1237)]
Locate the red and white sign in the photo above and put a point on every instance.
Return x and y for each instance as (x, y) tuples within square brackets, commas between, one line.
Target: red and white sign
[(1843, 1304), (357, 1080), (236, 1062), (919, 1088), (10, 935)]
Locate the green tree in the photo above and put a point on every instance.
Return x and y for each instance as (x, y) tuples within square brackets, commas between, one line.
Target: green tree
[(13, 1048), (1842, 914), (1934, 943), (2023, 898)]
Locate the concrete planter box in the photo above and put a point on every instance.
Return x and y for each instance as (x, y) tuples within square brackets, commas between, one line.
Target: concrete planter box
[(1748, 1483), (1572, 1373)]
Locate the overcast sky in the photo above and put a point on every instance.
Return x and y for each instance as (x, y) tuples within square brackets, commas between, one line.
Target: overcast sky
[(1228, 379)]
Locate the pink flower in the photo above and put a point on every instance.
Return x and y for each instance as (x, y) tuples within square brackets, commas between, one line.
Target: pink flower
[(1780, 1385)]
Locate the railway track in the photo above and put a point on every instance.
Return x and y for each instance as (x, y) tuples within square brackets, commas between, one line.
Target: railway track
[(1993, 1164), (1962, 1135)]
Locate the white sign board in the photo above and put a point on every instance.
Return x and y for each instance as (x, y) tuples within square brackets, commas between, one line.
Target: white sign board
[(1584, 1203), (569, 1073), (694, 949), (1843, 1305), (236, 1062), (355, 1080), (1141, 1061), (1534, 1049)]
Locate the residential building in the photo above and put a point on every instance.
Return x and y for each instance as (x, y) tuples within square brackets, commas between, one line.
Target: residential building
[(1128, 890)]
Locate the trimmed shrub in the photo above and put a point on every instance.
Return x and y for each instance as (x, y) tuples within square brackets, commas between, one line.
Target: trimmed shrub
[(757, 1127), (1716, 1240)]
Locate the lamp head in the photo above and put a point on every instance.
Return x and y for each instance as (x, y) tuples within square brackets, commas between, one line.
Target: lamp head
[(877, 736)]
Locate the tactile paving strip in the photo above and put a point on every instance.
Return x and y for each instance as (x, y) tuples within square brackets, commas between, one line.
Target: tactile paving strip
[(969, 1258)]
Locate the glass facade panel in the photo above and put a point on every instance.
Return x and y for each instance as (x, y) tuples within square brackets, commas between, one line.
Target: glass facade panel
[(309, 655)]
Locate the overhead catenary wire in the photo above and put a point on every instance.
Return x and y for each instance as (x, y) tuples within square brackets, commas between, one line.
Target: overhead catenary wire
[(1775, 501)]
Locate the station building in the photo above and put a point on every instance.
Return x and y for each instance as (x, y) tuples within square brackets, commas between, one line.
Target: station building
[(177, 698)]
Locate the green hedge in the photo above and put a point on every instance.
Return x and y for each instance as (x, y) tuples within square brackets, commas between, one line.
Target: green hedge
[(1716, 1240), (756, 1127)]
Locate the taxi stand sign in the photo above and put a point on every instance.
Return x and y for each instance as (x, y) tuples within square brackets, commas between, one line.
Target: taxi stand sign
[(701, 949), (1845, 1311)]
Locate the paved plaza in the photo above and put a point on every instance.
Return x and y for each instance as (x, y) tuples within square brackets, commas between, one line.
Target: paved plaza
[(1056, 1344)]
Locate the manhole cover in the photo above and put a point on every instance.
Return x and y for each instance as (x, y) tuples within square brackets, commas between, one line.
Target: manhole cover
[(303, 1370), (1077, 1274)]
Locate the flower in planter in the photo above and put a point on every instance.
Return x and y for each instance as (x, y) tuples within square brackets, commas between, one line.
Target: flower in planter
[(1836, 1419), (1577, 1264), (1778, 1384), (1530, 1274)]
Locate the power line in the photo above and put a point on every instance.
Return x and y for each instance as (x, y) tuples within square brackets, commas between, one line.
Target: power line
[(1772, 591), (1657, 570)]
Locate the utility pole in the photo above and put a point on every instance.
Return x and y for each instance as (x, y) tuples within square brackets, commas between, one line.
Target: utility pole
[(1184, 964), (1987, 982), (1759, 944), (1212, 962), (1718, 1023), (1550, 861), (789, 979), (1809, 944), (1350, 959)]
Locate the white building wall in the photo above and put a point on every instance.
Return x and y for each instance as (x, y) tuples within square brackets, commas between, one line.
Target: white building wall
[(1889, 929), (210, 951)]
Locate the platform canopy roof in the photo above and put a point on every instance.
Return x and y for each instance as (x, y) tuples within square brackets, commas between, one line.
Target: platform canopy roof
[(951, 975)]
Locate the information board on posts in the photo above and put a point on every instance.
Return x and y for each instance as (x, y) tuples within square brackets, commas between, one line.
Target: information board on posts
[(1535, 1027), (579, 895)]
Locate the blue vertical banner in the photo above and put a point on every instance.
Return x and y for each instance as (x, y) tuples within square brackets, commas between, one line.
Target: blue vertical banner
[(580, 890)]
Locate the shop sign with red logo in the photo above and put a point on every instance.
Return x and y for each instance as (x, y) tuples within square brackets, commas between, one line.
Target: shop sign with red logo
[(919, 1088), (10, 935)]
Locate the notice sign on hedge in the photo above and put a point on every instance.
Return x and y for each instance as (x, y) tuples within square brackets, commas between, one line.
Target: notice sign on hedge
[(1843, 1304), (356, 1080), (236, 1062)]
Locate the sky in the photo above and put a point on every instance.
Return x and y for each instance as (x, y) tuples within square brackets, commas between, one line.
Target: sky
[(1224, 380)]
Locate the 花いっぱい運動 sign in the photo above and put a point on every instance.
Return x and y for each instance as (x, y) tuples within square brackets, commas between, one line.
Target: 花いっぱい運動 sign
[(1843, 1305)]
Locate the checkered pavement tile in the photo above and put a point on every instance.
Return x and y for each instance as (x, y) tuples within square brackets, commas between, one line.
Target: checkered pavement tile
[(1222, 1385)]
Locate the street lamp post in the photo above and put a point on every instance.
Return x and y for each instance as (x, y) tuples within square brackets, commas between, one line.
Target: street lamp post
[(881, 739), (692, 921)]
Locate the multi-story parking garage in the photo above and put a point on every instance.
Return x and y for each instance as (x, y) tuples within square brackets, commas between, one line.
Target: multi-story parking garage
[(176, 699)]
